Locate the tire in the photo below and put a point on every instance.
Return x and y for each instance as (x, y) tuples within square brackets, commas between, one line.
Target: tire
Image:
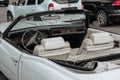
[(102, 18), (9, 17)]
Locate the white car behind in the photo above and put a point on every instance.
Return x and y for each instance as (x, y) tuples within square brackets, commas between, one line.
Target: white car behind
[(22, 7)]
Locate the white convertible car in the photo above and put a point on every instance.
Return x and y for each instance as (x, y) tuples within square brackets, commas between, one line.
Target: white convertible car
[(58, 45)]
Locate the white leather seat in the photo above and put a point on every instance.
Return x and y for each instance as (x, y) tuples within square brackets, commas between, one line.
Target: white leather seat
[(53, 48), (94, 46), (98, 41)]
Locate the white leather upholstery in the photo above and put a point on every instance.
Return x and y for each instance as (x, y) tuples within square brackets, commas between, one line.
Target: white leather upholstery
[(53, 48), (99, 47), (53, 43), (92, 49), (101, 38), (98, 41)]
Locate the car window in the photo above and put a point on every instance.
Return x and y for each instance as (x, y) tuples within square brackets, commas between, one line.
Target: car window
[(66, 1), (31, 2), (40, 1), (21, 2)]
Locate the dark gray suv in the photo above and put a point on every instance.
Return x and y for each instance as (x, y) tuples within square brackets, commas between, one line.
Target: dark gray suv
[(4, 2), (104, 11)]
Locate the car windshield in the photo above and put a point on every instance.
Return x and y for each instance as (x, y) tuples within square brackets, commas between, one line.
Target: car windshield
[(51, 19), (66, 1)]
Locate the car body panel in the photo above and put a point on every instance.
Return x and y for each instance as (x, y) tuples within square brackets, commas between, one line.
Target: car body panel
[(62, 73), (11, 10), (42, 72), (11, 62)]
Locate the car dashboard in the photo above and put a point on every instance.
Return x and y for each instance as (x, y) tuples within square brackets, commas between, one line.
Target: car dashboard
[(74, 34)]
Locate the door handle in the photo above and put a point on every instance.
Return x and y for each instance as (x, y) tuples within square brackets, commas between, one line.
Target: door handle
[(14, 60)]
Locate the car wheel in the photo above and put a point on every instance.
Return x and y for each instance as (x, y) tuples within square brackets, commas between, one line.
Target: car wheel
[(102, 18), (9, 17)]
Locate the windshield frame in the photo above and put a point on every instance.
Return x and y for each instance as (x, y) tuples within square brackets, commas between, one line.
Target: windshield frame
[(45, 13)]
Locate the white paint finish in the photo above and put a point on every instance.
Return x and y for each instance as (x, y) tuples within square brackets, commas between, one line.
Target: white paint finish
[(43, 69), (9, 59)]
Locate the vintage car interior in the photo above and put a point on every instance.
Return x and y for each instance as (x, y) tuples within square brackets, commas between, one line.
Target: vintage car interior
[(69, 43)]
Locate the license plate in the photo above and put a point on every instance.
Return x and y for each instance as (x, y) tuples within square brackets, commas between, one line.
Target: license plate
[(70, 8)]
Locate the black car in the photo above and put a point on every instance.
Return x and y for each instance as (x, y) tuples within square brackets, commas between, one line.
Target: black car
[(4, 2), (105, 11)]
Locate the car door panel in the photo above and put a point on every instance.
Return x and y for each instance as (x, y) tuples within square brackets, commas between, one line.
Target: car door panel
[(19, 10), (30, 6), (9, 59), (34, 66)]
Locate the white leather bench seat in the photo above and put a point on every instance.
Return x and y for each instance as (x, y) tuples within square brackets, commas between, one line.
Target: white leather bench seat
[(93, 55), (98, 41), (61, 54), (96, 45), (53, 48), (99, 47)]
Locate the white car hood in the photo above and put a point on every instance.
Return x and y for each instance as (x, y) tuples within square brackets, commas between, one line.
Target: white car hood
[(4, 26)]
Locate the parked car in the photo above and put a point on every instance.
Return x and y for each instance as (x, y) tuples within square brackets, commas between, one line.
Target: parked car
[(31, 29), (104, 11), (22, 7), (4, 2), (57, 45)]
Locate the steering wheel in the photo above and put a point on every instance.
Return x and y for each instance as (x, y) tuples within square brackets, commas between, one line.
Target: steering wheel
[(31, 38)]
